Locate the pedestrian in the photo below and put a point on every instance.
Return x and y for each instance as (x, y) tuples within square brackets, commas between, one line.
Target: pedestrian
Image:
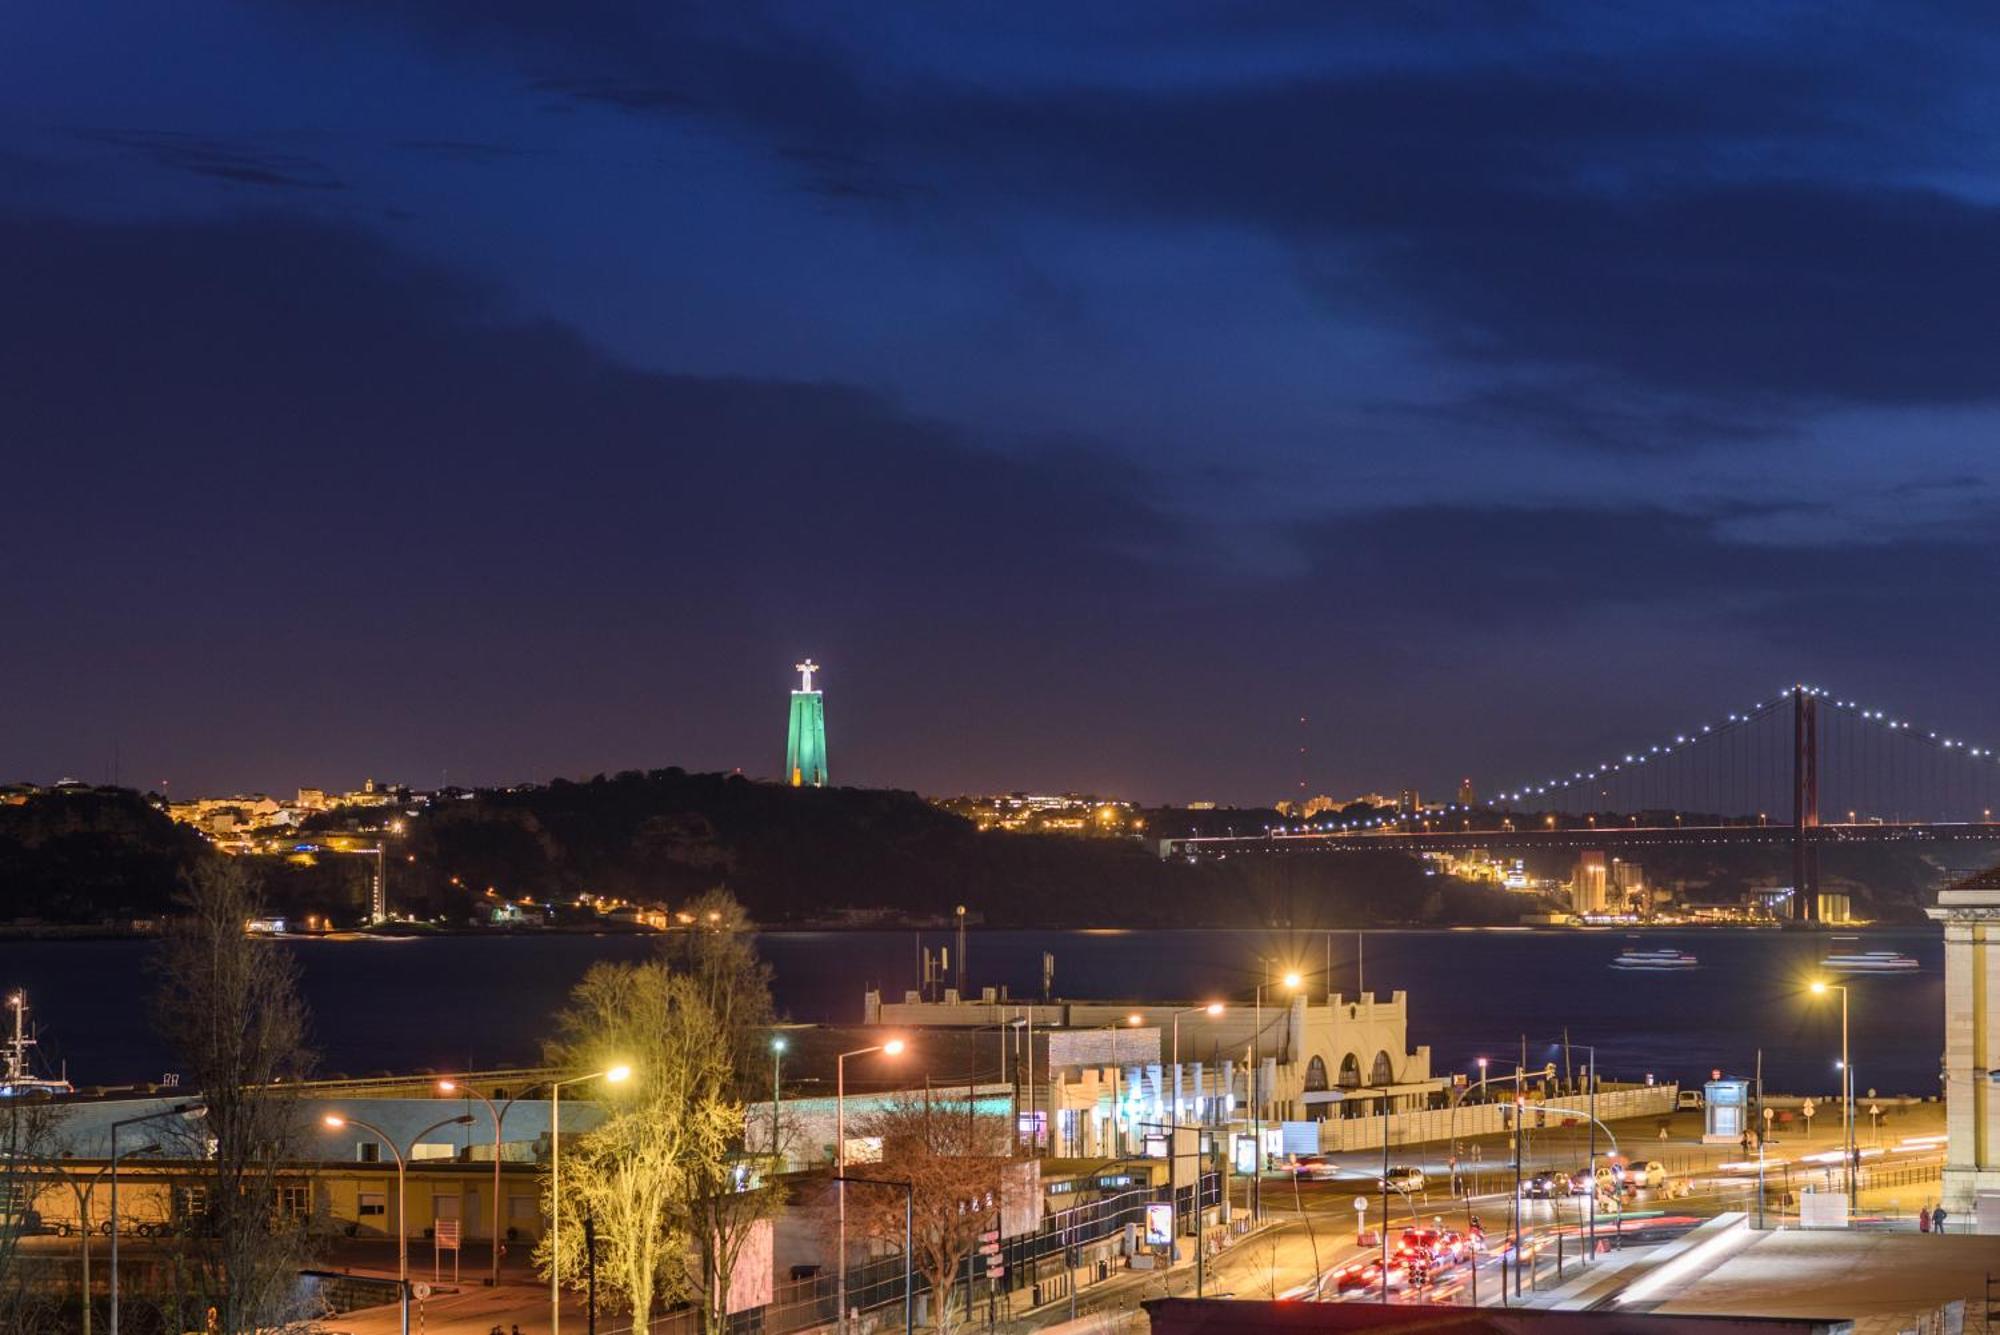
[(1938, 1216), (1924, 1219)]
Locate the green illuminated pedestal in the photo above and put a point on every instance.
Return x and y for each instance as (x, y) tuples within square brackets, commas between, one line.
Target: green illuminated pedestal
[(805, 741)]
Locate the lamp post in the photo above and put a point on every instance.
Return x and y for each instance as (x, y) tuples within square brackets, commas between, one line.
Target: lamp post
[(449, 1086), (1290, 983), (892, 1048), (1821, 987), (1384, 1094), (1213, 1010), (338, 1120), (1117, 1074), (1457, 1097), (909, 1238), (612, 1076), (84, 1190), (777, 1058), (178, 1110), (1590, 1247)]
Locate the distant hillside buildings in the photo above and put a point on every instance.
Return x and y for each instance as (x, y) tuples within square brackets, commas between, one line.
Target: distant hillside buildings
[(255, 822)]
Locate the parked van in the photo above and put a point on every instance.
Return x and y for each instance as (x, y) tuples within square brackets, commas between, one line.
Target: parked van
[(1688, 1099)]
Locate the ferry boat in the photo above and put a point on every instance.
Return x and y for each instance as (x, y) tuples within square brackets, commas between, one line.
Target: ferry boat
[(16, 1075), (1663, 960), (1870, 961)]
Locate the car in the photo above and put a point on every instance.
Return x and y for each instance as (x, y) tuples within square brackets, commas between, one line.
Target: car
[(1311, 1166), (1405, 1178), (1688, 1100), (1543, 1186), (1447, 1246), (1364, 1276)]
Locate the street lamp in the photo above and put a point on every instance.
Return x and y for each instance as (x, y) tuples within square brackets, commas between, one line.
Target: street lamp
[(1213, 1010), (615, 1075), (1290, 982), (778, 1046), (338, 1120), (84, 1189), (1117, 1075), (892, 1048), (449, 1086), (909, 1239), (179, 1109), (1820, 987)]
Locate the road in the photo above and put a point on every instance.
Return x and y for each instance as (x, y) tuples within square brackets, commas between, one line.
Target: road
[(1310, 1227)]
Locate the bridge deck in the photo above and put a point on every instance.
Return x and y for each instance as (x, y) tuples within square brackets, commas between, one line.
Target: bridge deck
[(1581, 836)]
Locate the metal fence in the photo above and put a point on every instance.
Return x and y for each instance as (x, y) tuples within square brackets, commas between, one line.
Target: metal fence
[(1037, 1269)]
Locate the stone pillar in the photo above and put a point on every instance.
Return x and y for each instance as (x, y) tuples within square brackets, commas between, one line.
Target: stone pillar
[(1970, 912)]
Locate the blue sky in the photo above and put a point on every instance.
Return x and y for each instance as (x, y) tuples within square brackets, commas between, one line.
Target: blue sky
[(504, 390)]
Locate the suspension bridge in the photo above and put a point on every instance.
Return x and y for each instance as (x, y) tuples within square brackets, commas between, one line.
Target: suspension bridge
[(1805, 769)]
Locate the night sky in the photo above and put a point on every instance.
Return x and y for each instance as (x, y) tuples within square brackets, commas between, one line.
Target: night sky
[(493, 390)]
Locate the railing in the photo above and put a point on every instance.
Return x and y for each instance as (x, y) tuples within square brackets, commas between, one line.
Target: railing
[(1037, 1264), (1475, 1119)]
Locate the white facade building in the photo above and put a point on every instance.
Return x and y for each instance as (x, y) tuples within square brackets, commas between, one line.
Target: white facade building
[(1104, 1072), (1970, 912)]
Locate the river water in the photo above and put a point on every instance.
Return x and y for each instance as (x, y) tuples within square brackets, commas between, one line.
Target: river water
[(464, 1002)]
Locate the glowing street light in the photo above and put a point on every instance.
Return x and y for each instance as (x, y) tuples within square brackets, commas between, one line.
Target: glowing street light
[(449, 1086), (1290, 981), (1819, 988), (892, 1048), (616, 1075), (335, 1121)]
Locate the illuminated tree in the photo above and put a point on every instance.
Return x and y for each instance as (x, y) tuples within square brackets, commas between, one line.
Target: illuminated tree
[(668, 1133)]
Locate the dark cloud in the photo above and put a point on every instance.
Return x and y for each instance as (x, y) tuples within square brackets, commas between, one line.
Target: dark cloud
[(637, 97), (1595, 414), (477, 152), (218, 159), (1686, 214)]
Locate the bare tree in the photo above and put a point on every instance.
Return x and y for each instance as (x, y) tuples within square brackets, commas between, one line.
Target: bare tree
[(27, 1143), (953, 1156), (229, 1006)]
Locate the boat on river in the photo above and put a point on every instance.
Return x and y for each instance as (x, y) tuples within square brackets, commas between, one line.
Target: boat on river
[(17, 1076), (1661, 960), (1870, 961)]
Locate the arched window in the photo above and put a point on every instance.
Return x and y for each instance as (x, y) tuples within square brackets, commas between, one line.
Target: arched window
[(1383, 1073), (1350, 1071), (1316, 1073)]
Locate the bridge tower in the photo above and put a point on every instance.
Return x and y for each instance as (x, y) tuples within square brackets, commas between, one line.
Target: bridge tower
[(1805, 805)]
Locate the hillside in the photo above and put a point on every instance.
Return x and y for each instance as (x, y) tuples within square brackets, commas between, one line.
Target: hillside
[(811, 855), (89, 855)]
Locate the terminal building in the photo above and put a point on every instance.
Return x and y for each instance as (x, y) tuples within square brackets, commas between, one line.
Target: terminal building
[(1097, 1075)]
